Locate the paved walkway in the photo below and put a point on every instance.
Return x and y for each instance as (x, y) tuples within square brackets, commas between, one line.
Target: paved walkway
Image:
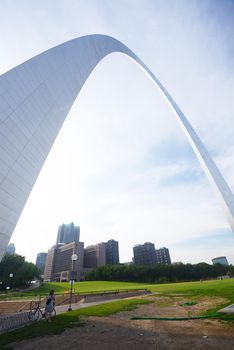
[(96, 299), (17, 320), (80, 305)]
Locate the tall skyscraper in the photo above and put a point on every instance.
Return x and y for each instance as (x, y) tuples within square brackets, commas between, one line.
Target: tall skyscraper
[(40, 261), (145, 254), (68, 233), (112, 252), (163, 256)]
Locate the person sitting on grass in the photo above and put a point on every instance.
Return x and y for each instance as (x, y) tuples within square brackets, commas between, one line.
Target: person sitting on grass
[(50, 303)]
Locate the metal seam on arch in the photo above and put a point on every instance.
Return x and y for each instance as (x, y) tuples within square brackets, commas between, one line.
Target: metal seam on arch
[(38, 114)]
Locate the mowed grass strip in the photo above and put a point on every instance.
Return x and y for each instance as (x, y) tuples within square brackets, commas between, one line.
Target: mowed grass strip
[(79, 288), (104, 310), (89, 286), (223, 288), (68, 320)]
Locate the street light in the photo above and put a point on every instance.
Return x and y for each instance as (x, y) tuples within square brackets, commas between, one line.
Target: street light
[(11, 280), (74, 258)]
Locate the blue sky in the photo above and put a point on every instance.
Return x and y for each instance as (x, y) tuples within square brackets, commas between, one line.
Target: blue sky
[(121, 167)]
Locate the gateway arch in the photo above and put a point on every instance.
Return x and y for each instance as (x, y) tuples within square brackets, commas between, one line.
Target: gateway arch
[(35, 98)]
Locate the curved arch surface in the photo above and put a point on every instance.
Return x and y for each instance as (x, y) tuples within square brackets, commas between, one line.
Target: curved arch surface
[(35, 98)]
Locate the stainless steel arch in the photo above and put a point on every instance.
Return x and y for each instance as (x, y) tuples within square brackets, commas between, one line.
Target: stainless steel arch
[(35, 98)]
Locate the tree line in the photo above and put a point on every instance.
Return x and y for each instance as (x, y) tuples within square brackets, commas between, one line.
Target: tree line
[(159, 273), (15, 272)]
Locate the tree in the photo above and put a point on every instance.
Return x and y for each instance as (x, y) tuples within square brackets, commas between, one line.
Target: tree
[(23, 272), (230, 272), (158, 273)]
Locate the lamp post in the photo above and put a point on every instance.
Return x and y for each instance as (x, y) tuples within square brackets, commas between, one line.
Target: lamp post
[(74, 258), (9, 282)]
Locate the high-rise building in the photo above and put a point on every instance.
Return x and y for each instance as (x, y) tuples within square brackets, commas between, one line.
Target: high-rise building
[(10, 248), (59, 264), (40, 261), (163, 256), (48, 272), (68, 233), (220, 260), (145, 254), (95, 255), (112, 252)]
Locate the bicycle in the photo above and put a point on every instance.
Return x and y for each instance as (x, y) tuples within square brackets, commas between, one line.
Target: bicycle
[(37, 313)]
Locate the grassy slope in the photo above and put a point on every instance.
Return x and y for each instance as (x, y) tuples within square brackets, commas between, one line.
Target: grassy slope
[(90, 286), (223, 288), (79, 287), (218, 288)]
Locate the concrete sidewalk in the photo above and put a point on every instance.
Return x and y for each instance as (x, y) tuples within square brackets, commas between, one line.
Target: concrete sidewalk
[(16, 320), (80, 305), (13, 321), (101, 298)]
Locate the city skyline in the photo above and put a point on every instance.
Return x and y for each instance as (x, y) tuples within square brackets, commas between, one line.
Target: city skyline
[(145, 188), (93, 244)]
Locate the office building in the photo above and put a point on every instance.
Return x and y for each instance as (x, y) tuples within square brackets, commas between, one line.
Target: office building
[(68, 233), (220, 260), (95, 255), (48, 272), (163, 256), (40, 261), (112, 252), (59, 265), (10, 248), (145, 254)]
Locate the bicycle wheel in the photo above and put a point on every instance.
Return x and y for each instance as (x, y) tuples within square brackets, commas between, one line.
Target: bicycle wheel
[(33, 314)]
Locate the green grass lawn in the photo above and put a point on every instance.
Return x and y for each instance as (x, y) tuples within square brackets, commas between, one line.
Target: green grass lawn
[(79, 287), (222, 288), (218, 288), (89, 287), (215, 288), (68, 320)]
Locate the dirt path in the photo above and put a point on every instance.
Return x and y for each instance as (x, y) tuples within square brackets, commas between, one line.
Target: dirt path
[(119, 332)]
